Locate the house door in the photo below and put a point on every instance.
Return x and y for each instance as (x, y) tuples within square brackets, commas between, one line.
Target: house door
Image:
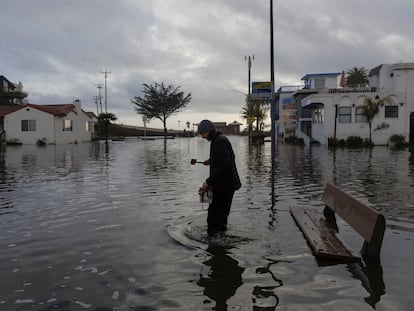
[(412, 128)]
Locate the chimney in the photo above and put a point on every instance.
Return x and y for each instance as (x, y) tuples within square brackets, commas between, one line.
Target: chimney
[(77, 104)]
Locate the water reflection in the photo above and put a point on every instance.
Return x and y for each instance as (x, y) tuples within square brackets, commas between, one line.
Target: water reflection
[(264, 297), (371, 275), (411, 164), (223, 278)]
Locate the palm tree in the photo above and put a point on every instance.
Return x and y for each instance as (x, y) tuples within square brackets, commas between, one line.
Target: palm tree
[(357, 77), (254, 110), (247, 113), (259, 112), (104, 119), (371, 108)]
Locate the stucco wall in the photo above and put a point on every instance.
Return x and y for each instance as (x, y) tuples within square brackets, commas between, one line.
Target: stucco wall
[(48, 127), (78, 134), (44, 126), (323, 131)]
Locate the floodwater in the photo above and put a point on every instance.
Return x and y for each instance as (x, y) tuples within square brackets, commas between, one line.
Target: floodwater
[(86, 229)]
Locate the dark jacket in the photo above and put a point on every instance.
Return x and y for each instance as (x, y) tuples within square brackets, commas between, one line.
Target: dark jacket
[(223, 171)]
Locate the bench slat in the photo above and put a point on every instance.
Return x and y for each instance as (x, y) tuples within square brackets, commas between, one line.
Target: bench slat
[(322, 239)]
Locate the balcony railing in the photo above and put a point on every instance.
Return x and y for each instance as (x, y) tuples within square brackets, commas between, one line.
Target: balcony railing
[(371, 89), (13, 94)]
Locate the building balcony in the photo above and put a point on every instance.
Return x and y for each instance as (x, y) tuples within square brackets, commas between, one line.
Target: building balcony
[(13, 94), (371, 89)]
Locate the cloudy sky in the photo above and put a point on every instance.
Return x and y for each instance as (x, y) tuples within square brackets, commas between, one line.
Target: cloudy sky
[(58, 49)]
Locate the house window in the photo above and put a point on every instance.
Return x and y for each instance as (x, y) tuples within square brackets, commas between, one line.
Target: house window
[(360, 115), (344, 115), (318, 115), (67, 125), (28, 125), (319, 84), (391, 111), (90, 126)]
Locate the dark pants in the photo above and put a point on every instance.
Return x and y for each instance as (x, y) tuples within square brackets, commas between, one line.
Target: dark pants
[(218, 210)]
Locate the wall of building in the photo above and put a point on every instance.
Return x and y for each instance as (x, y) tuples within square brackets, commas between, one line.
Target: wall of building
[(48, 127), (44, 126), (321, 131), (79, 131), (396, 81)]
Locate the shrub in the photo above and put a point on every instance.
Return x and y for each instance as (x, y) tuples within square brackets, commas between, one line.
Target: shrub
[(14, 141), (354, 142), (398, 141), (41, 142), (295, 141)]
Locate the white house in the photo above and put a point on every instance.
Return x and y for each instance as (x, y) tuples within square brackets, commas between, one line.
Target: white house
[(52, 124), (333, 111)]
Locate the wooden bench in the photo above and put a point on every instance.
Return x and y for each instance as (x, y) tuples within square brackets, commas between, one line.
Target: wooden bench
[(321, 232)]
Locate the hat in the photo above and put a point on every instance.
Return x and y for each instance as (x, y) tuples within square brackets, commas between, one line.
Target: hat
[(206, 126)]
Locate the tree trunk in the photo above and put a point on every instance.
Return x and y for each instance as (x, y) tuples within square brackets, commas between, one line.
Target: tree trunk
[(164, 121), (370, 133)]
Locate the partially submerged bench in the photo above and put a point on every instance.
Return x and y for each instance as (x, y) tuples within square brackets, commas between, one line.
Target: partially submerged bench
[(321, 232)]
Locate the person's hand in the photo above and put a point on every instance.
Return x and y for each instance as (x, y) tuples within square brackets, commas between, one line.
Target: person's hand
[(205, 186), (206, 162)]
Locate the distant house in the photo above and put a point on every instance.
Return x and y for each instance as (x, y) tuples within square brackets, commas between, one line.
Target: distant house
[(11, 93), (52, 124), (233, 128), (228, 129)]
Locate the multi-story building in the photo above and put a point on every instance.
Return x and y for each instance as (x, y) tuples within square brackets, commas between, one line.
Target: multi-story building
[(11, 93), (325, 109)]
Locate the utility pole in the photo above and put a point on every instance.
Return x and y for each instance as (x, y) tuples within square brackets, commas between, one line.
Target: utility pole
[(96, 98), (106, 108), (249, 101), (99, 86), (106, 73), (272, 104), (249, 66)]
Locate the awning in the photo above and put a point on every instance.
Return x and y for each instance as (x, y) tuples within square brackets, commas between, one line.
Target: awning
[(313, 105)]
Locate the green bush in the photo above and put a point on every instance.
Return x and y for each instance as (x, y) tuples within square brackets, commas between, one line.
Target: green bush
[(354, 142), (398, 141), (295, 141)]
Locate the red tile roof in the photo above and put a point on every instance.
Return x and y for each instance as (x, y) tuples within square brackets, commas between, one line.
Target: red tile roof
[(91, 114), (6, 109), (56, 110)]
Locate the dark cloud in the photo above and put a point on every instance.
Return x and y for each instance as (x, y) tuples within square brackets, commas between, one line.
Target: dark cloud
[(59, 48)]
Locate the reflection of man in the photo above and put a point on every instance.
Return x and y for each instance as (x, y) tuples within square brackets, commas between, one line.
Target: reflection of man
[(223, 279)]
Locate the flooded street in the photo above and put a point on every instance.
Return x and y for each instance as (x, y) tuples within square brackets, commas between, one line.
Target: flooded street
[(85, 229)]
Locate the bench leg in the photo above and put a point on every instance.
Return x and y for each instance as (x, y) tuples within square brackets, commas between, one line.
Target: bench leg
[(373, 248), (330, 217), (370, 249)]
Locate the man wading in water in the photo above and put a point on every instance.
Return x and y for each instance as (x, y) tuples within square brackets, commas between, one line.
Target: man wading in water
[(223, 180)]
